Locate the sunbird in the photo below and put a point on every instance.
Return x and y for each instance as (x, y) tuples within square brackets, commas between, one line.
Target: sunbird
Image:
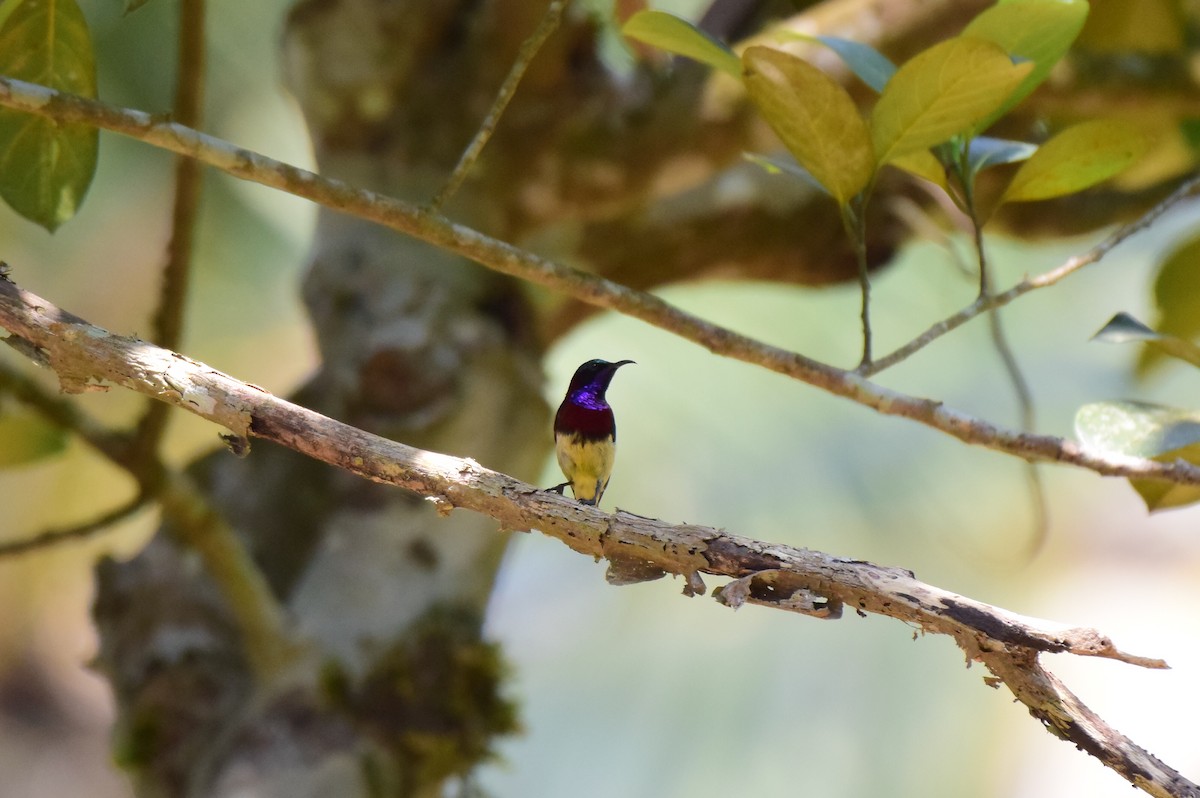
[(585, 432)]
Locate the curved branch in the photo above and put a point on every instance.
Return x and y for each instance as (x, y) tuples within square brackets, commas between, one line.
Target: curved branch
[(508, 259), (637, 548)]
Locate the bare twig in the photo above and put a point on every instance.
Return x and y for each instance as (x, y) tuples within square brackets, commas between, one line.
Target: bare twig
[(525, 55), (636, 548), (507, 259), (187, 110), (79, 532)]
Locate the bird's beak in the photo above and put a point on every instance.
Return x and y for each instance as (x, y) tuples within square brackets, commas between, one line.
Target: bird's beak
[(620, 363)]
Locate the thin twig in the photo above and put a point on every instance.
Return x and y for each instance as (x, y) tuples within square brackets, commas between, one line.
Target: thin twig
[(508, 259), (529, 49), (187, 110), (73, 534), (639, 548), (1052, 277)]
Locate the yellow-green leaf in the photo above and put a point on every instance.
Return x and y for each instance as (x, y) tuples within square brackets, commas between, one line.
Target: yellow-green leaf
[(1177, 296), (814, 117), (923, 164), (26, 438), (46, 167), (669, 32), (1078, 157), (940, 93), (1038, 30)]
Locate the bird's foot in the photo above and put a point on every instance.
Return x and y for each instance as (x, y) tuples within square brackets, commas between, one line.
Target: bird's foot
[(557, 488)]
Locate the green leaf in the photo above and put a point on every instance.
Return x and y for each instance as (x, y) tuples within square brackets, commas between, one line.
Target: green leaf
[(669, 32), (1123, 328), (7, 7), (46, 167), (814, 117), (134, 5), (1177, 296), (1077, 158), (1040, 31), (1137, 429), (1190, 130), (26, 438), (941, 92)]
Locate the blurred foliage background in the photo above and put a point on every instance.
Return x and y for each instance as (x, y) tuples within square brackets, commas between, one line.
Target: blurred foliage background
[(636, 690)]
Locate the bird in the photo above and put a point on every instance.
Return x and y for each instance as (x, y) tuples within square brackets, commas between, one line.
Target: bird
[(585, 432)]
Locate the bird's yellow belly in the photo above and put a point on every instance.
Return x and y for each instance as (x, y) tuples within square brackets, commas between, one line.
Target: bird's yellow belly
[(586, 464)]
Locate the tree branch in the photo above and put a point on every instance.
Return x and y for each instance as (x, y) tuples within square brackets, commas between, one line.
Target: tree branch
[(637, 548), (986, 302), (507, 259)]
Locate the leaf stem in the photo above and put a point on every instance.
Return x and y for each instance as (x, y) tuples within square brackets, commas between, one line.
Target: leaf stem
[(853, 220)]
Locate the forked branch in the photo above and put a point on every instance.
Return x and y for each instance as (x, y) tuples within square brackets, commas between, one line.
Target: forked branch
[(508, 259)]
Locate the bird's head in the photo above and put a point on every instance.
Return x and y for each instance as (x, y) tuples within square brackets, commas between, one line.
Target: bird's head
[(596, 374)]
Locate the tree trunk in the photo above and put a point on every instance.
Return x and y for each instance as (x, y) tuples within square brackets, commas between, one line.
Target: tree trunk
[(396, 691)]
